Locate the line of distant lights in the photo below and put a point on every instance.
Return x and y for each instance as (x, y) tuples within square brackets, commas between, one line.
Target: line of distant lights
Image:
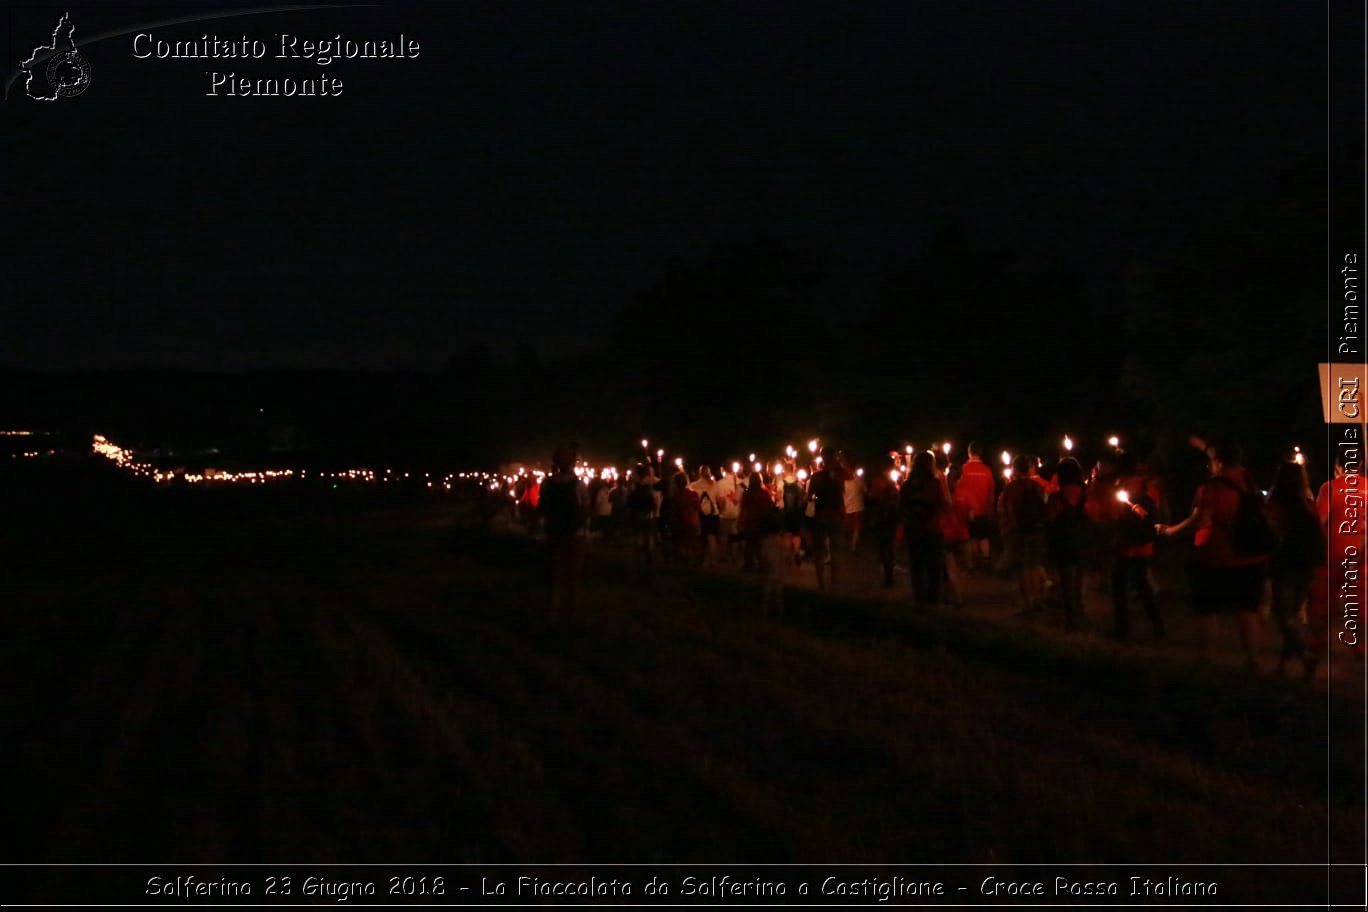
[(786, 466), (127, 460)]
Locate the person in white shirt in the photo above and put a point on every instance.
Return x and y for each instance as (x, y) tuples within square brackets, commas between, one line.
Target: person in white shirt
[(854, 507), (710, 515), (728, 498)]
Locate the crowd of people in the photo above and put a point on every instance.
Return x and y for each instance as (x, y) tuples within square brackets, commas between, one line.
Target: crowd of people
[(1055, 533)]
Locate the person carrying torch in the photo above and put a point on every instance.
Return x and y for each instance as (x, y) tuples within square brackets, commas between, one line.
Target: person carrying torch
[(1135, 514), (881, 510)]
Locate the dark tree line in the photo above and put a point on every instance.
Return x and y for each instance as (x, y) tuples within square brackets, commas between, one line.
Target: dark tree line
[(752, 344)]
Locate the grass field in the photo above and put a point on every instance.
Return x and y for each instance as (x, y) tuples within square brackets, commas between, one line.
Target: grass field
[(220, 676)]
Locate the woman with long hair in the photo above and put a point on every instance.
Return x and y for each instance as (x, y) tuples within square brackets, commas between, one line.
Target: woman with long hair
[(1067, 531), (921, 502)]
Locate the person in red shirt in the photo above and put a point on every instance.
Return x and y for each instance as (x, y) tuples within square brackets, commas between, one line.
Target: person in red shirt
[(954, 534), (922, 502), (686, 520), (974, 490), (1221, 579), (756, 505), (1339, 505)]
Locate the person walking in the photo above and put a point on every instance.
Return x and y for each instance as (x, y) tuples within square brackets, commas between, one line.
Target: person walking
[(1068, 530), (975, 491), (921, 502), (1133, 516), (1021, 510), (1299, 550), (881, 507), (826, 489), (855, 492), (1230, 552), (710, 518), (756, 505), (563, 506)]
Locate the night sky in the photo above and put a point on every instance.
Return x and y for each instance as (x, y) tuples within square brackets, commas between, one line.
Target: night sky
[(541, 162)]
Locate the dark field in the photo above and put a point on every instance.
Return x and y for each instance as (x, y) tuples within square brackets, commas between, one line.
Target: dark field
[(212, 676)]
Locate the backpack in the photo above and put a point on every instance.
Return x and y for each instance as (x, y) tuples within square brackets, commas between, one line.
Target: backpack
[(705, 504), (1252, 535)]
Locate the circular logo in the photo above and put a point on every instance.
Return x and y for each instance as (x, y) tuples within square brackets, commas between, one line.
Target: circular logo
[(69, 74)]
